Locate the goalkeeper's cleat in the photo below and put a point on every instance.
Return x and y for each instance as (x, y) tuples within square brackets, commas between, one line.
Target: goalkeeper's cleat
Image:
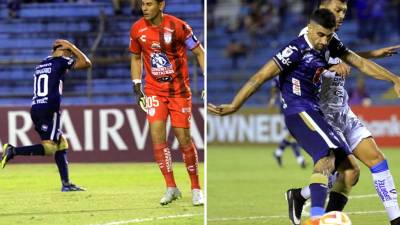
[(170, 195), (278, 159), (197, 197), (8, 153), (67, 187), (295, 205), (311, 221)]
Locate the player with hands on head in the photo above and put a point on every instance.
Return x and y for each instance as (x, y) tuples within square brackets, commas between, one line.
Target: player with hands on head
[(49, 77)]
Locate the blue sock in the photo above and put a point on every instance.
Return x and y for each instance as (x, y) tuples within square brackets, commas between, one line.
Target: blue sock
[(62, 164), (318, 196), (296, 149), (29, 150), (380, 167)]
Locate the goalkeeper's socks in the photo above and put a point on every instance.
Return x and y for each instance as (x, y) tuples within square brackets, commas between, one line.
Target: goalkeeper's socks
[(385, 188), (61, 160), (191, 161), (162, 155), (318, 189), (29, 150), (337, 201)]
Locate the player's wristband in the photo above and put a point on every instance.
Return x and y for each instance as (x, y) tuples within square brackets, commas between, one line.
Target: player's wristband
[(136, 81)]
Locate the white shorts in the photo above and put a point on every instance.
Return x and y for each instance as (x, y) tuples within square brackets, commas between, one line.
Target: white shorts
[(348, 126)]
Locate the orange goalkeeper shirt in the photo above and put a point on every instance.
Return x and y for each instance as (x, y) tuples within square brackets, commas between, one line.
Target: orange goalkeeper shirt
[(163, 50)]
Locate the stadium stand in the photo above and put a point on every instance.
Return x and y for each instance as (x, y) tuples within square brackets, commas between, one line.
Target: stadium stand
[(24, 41), (228, 23)]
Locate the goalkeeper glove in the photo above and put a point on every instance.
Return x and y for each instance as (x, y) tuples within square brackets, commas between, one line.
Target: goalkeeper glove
[(140, 97)]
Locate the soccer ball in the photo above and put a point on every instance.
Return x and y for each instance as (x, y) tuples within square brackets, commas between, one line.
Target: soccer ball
[(335, 218)]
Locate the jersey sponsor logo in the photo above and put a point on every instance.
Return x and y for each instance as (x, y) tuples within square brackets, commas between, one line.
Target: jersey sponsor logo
[(160, 65), (143, 38), (308, 57), (168, 37), (296, 86), (285, 54), (155, 45), (44, 127), (186, 110)]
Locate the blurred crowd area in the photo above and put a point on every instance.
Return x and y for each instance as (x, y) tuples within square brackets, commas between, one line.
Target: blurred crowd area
[(377, 20), (244, 34), (14, 6)]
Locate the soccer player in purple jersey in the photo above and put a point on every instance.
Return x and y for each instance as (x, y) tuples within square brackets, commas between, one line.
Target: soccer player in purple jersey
[(48, 78), (339, 115), (300, 66)]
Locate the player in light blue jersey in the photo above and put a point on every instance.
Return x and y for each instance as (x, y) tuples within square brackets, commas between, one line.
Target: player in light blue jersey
[(49, 78), (334, 105)]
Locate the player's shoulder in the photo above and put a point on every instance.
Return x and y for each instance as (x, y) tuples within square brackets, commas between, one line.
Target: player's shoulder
[(299, 44), (139, 25), (175, 19)]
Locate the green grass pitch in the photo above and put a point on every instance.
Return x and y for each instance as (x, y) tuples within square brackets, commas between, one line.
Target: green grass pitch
[(246, 186), (116, 194)]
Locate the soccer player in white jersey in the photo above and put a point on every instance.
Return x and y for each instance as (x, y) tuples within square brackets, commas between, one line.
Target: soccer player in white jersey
[(334, 104)]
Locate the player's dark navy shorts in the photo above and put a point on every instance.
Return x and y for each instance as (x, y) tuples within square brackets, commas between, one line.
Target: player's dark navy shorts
[(47, 123), (316, 136)]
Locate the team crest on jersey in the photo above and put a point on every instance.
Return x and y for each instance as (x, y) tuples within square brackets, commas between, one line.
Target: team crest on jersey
[(160, 64), (155, 45), (168, 37)]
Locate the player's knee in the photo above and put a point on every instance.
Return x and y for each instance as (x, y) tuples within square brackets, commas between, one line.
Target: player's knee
[(50, 147), (376, 158), (63, 144), (319, 178)]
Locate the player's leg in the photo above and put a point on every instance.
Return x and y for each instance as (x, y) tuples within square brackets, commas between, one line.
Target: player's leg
[(157, 117), (297, 152), (60, 157), (180, 111), (368, 152), (281, 148), (348, 175), (319, 140), (43, 125)]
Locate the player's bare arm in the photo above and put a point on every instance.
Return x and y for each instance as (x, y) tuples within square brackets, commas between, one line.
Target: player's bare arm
[(267, 72), (372, 69), (136, 75), (199, 53), (380, 53), (82, 61), (136, 66), (342, 69)]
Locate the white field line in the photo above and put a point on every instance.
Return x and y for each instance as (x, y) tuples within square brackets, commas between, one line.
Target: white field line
[(308, 203), (141, 220), (306, 213)]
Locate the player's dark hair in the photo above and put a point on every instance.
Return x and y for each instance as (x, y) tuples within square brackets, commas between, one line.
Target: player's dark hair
[(55, 47), (326, 1), (324, 17)]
